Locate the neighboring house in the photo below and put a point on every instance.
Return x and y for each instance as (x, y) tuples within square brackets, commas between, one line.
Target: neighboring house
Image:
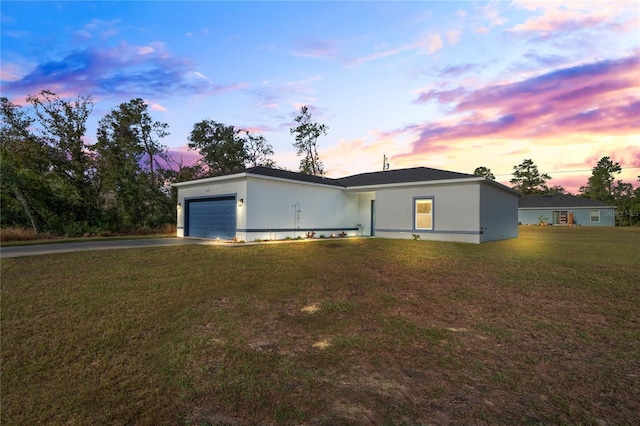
[(564, 209), (263, 203)]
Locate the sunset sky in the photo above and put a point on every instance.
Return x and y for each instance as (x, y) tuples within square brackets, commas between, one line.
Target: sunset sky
[(451, 85)]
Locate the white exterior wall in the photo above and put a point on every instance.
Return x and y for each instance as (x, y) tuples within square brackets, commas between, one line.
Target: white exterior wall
[(456, 212), (269, 205), (463, 211), (236, 186), (498, 213)]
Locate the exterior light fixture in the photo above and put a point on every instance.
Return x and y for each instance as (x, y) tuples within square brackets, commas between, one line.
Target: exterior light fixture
[(179, 206), (241, 202)]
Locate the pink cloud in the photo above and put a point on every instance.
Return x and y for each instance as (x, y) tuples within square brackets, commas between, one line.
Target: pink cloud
[(591, 97), (157, 107), (256, 129), (561, 19), (98, 27), (453, 36), (374, 56), (584, 102), (270, 94), (320, 49), (573, 16), (431, 43), (427, 44), (10, 71), (627, 157), (442, 96), (183, 156), (571, 184)]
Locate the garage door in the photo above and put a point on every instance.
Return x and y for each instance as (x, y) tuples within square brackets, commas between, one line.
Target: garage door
[(211, 218)]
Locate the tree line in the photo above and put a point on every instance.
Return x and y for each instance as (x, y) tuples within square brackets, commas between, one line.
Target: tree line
[(53, 180), (602, 186)]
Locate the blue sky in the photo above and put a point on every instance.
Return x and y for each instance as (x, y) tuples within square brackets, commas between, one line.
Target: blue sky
[(451, 85)]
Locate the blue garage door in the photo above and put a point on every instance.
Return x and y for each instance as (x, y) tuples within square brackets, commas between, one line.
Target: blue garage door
[(212, 218)]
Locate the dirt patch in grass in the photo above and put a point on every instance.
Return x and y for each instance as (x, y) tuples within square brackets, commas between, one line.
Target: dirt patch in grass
[(514, 332), (310, 309)]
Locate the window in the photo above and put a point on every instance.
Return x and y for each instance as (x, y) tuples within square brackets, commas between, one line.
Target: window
[(595, 215), (424, 213)]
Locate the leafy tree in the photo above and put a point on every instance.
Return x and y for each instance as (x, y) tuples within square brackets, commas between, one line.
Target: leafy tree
[(634, 209), (132, 195), (600, 184), (221, 148), (46, 163), (307, 133), (148, 133), (63, 125), (23, 162), (484, 171), (257, 150), (626, 203), (528, 180), (226, 149)]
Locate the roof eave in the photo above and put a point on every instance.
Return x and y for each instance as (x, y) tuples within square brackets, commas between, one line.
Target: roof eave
[(501, 186), (242, 175), (366, 188), (281, 179), (209, 180)]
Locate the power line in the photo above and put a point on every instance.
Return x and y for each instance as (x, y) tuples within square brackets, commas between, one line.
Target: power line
[(568, 171)]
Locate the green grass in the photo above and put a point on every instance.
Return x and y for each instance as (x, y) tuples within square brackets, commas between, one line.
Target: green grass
[(543, 329), (69, 240)]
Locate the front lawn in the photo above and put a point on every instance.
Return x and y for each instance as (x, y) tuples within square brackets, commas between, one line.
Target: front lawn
[(543, 329)]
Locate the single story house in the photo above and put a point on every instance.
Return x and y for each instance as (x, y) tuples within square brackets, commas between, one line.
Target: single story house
[(265, 203), (564, 209)]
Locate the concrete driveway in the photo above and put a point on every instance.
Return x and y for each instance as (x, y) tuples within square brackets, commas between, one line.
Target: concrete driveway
[(35, 250)]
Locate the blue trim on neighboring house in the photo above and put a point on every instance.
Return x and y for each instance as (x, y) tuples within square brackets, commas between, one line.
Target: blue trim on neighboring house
[(581, 216), (296, 229), (425, 231), (433, 213)]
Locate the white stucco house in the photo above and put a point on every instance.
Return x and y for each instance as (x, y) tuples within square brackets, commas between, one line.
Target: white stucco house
[(264, 203)]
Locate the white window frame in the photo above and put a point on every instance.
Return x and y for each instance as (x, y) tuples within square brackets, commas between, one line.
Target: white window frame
[(416, 201), (591, 216)]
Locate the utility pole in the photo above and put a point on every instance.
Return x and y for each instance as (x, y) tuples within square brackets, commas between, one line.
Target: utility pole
[(385, 162)]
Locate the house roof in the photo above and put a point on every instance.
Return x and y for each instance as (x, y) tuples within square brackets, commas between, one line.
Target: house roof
[(399, 176), (558, 200), (416, 174), (286, 174)]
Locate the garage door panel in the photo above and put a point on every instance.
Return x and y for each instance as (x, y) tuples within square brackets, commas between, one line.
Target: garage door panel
[(212, 218)]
